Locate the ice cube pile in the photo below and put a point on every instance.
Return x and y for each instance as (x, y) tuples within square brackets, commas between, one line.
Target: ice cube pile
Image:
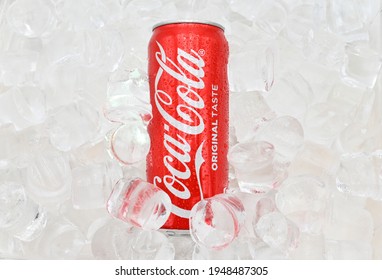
[(305, 132)]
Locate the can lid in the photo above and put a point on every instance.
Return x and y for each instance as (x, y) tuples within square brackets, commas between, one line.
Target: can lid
[(188, 21)]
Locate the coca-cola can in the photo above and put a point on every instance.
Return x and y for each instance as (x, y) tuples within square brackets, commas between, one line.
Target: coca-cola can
[(189, 126)]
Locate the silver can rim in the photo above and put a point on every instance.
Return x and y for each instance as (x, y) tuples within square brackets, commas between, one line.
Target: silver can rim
[(188, 21)]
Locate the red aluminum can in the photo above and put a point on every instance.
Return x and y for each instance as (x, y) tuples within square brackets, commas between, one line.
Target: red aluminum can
[(189, 128)]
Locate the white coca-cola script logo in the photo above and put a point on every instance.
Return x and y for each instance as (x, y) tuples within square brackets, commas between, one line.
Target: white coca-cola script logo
[(187, 120)]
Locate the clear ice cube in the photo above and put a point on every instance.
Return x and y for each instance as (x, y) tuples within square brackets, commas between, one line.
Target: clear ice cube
[(22, 107), (139, 203), (215, 222), (130, 143), (303, 199), (110, 239), (19, 215), (252, 67), (48, 177), (360, 174), (347, 221), (31, 19), (361, 66), (347, 250), (286, 134), (128, 96), (73, 125), (149, 245), (277, 231), (93, 183), (254, 166), (248, 111), (10, 247), (61, 239)]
